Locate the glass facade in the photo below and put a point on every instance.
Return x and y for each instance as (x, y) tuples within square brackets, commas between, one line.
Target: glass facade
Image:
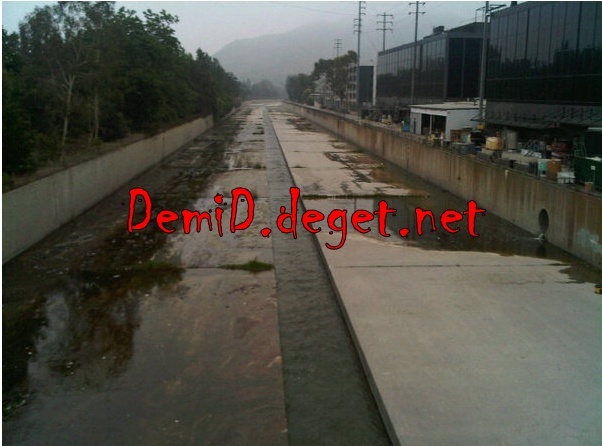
[(447, 67), (546, 53), (464, 68), (366, 83), (394, 72), (430, 76)]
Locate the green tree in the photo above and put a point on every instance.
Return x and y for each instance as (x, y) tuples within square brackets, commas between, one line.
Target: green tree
[(97, 86), (299, 88), (335, 72), (217, 90), (55, 37), (82, 71), (264, 89)]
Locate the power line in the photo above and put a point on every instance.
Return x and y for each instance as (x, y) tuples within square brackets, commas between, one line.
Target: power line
[(313, 9), (385, 22)]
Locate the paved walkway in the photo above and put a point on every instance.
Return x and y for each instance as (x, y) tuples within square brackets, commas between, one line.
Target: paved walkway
[(462, 348)]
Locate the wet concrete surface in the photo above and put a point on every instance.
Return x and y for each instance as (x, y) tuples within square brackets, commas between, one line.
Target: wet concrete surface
[(350, 178), (118, 338)]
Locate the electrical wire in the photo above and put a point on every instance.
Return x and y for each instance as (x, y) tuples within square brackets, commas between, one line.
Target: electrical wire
[(290, 5)]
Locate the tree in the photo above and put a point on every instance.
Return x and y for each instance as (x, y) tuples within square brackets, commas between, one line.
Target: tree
[(335, 72), (99, 15), (264, 89), (18, 136), (78, 72), (217, 90), (55, 35), (299, 88)]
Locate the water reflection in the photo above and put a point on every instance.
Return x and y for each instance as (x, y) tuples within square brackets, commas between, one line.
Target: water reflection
[(83, 332), (494, 234)]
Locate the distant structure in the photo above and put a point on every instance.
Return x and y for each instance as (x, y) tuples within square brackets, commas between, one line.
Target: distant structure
[(544, 67), (387, 25), (447, 69), (338, 44), (365, 87)]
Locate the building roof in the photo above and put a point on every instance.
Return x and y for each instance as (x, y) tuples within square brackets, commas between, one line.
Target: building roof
[(518, 7), (472, 30), (464, 105)]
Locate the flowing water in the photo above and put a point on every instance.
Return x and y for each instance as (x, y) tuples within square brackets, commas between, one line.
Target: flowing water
[(328, 397)]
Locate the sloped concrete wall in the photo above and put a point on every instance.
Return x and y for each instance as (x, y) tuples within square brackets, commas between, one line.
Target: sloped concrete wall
[(575, 217), (33, 211)]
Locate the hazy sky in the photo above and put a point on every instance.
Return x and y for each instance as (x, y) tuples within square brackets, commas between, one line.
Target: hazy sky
[(211, 25)]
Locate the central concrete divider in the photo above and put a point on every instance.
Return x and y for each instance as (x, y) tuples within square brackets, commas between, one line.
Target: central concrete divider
[(31, 212), (571, 219)]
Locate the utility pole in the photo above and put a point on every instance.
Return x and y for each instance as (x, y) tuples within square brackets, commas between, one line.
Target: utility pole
[(385, 22), (483, 64), (358, 30), (418, 12), (487, 9), (338, 43)]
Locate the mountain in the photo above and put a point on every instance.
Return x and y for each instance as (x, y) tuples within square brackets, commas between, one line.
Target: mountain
[(276, 56)]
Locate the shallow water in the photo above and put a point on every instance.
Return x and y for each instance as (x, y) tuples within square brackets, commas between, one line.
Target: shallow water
[(109, 339), (327, 395)]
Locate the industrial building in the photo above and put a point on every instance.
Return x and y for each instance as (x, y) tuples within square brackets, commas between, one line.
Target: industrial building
[(365, 87), (544, 82), (443, 119), (447, 70), (544, 67), (325, 97)]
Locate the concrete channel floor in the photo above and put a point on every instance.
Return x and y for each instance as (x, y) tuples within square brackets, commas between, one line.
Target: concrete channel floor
[(461, 348), (105, 355)]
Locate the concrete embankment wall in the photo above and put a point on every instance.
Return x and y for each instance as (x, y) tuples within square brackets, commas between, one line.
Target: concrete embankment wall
[(575, 217), (33, 211)]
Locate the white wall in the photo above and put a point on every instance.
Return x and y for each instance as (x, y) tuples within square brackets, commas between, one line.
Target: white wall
[(416, 123), (459, 119)]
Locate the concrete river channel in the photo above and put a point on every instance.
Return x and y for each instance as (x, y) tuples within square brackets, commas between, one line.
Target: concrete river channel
[(155, 338)]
